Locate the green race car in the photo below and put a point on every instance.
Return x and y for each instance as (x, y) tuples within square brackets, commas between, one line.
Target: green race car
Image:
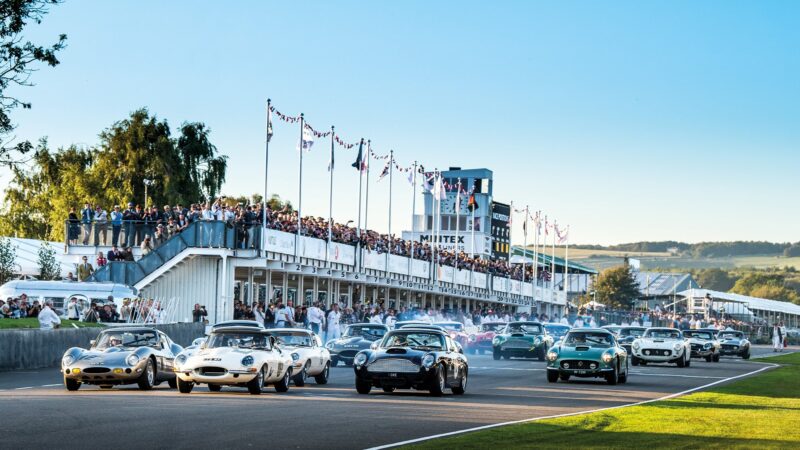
[(522, 340), (588, 353)]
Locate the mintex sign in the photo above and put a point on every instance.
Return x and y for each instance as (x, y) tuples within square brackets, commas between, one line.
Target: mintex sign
[(449, 241)]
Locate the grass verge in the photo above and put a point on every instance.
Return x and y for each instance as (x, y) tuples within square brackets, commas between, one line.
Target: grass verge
[(761, 411), (34, 323)]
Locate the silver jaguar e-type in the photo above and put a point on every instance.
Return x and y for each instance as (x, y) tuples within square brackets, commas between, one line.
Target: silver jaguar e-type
[(129, 355)]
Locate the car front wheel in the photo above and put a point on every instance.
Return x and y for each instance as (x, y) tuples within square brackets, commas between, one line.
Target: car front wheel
[(439, 383), (462, 385), (185, 387), (363, 387), (283, 385), (612, 378), (497, 354), (72, 385), (300, 378), (148, 377), (322, 378), (552, 376), (255, 385)]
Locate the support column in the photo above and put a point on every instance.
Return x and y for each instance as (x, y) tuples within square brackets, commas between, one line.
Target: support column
[(250, 286), (285, 287), (268, 288)]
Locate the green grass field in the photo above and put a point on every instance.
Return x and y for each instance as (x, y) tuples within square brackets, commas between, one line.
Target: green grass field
[(34, 323), (761, 411)]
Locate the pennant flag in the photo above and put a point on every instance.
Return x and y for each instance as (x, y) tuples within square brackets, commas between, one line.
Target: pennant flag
[(442, 189), (472, 205), (525, 226), (330, 163), (411, 177), (307, 141), (269, 124), (359, 163), (546, 226), (385, 171), (428, 183), (458, 201)]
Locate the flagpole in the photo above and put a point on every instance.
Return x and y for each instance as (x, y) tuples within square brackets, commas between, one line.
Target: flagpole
[(300, 191), (536, 229), (553, 261), (366, 200), (330, 200), (458, 218), (360, 183), (266, 178), (524, 248), (413, 222), (566, 264), (391, 240)]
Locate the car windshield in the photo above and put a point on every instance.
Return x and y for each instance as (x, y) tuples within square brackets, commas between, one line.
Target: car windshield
[(293, 338), (492, 327), (662, 334), (450, 326), (365, 331), (127, 339), (558, 330), (591, 339), (526, 328), (731, 335), (705, 335), (414, 339), (240, 339), (635, 332)]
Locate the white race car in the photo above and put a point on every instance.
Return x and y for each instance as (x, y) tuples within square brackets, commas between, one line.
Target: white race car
[(661, 345), (235, 356), (309, 357)]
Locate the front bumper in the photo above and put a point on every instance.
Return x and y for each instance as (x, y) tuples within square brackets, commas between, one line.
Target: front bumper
[(344, 354), (522, 352), (653, 357), (733, 350), (585, 371), (103, 374), (399, 380), (235, 376)]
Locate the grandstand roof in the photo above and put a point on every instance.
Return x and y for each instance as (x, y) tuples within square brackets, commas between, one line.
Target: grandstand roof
[(753, 303)]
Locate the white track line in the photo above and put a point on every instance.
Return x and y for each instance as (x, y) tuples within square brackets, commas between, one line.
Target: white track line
[(535, 419), (21, 388)]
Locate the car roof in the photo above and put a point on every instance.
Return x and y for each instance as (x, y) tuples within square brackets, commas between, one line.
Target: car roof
[(421, 326), (243, 323), (633, 328), (129, 329), (591, 330), (367, 324), (234, 328), (494, 323), (290, 330), (532, 322), (429, 329)]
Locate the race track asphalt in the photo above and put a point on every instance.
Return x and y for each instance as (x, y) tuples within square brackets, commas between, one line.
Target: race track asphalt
[(38, 412)]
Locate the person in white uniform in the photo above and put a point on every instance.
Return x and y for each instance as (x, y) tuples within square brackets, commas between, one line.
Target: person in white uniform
[(777, 338), (334, 332), (316, 318), (48, 319)]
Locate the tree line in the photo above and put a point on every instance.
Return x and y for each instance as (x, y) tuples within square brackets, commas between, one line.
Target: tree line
[(705, 249)]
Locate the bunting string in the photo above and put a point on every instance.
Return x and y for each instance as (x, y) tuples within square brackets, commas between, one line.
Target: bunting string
[(284, 117)]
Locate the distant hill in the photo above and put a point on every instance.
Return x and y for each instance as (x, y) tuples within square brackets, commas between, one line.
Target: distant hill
[(702, 249)]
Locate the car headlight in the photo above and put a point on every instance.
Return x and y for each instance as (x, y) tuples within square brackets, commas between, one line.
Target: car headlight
[(295, 356), (360, 359), (67, 360), (552, 356), (132, 360), (497, 340), (428, 360), (607, 357), (537, 341), (677, 347), (248, 361), (707, 345), (636, 345), (180, 360), (329, 345)]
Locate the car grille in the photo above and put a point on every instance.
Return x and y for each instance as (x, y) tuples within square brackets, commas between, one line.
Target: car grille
[(348, 353), (579, 364), (730, 347), (96, 370), (393, 365), (517, 343), (656, 352), (697, 347), (212, 371)]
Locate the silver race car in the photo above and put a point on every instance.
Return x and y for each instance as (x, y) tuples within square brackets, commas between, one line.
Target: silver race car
[(130, 355)]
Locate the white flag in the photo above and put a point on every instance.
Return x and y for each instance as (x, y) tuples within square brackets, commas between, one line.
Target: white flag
[(269, 124), (308, 140)]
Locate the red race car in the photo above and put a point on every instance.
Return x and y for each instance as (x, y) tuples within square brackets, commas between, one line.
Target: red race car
[(482, 341), (456, 331)]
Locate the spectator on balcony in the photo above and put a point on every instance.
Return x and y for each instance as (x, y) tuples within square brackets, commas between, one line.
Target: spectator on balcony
[(116, 225), (147, 246), (128, 254), (100, 225), (129, 218), (73, 227), (140, 229), (86, 219), (115, 254), (151, 219), (206, 213), (181, 223), (101, 260), (171, 228), (167, 214), (85, 269), (160, 235)]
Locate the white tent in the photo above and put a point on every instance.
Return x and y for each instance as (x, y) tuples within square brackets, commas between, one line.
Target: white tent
[(27, 256), (595, 304), (517, 259)]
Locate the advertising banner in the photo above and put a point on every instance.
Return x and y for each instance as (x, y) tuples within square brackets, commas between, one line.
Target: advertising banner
[(374, 260), (500, 284), (479, 280), (342, 253), (446, 274), (527, 289), (312, 248), (398, 264), (420, 268), (279, 242), (515, 287), (462, 277)]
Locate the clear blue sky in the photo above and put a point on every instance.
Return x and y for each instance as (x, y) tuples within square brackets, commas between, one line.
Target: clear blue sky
[(628, 121)]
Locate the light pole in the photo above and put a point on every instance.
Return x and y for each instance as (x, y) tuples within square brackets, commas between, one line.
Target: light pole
[(147, 183)]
